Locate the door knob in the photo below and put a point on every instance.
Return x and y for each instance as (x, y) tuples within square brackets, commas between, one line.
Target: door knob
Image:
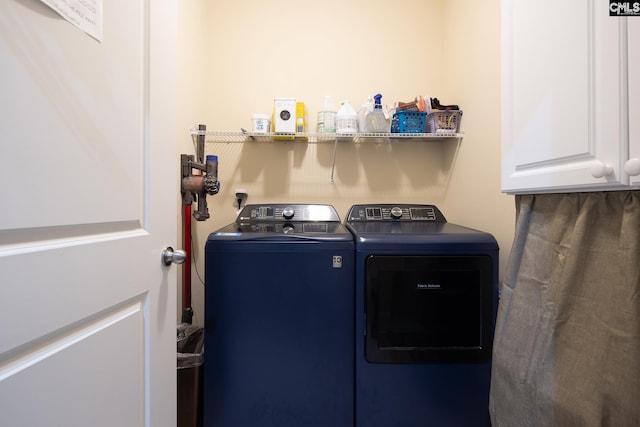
[(170, 256), (632, 167), (600, 169)]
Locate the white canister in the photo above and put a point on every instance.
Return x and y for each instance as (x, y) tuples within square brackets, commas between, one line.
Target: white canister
[(346, 119), (261, 123)]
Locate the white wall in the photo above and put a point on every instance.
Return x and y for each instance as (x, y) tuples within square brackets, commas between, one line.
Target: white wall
[(236, 57)]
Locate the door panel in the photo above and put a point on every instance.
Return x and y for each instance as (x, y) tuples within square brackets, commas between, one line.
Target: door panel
[(41, 371), (89, 174), (72, 116)]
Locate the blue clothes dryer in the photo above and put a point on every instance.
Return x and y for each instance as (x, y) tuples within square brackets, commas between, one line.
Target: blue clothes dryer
[(279, 319), (426, 301)]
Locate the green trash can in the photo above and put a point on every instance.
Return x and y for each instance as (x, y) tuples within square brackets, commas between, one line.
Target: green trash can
[(190, 356)]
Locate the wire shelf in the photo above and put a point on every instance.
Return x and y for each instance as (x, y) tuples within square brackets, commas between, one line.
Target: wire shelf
[(318, 138), (315, 138)]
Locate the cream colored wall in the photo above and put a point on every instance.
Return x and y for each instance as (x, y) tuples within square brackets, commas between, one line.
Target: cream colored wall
[(236, 57), (472, 61)]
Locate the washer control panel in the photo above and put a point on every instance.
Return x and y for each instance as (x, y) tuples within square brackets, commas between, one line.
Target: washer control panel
[(286, 213), (398, 212)]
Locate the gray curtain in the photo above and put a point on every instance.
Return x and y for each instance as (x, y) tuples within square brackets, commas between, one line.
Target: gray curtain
[(567, 341)]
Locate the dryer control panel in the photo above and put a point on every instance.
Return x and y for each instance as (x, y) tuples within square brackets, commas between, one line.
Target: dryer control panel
[(398, 212)]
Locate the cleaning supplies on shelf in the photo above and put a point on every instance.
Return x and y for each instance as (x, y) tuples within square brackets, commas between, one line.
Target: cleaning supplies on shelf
[(435, 105), (261, 123), (408, 121), (301, 120), (283, 121), (327, 117), (301, 117), (346, 120), (420, 103), (284, 115), (365, 109), (376, 121)]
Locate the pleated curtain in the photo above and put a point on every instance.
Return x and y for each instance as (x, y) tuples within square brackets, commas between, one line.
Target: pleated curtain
[(567, 340)]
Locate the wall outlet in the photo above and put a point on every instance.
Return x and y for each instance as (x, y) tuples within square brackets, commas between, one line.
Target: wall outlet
[(241, 197)]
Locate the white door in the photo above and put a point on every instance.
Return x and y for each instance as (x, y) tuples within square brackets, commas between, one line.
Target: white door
[(88, 200)]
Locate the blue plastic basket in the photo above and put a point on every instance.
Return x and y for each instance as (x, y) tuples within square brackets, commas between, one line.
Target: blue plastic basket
[(408, 122)]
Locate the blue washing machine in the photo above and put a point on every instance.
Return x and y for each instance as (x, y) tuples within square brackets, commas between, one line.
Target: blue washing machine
[(426, 301), (279, 319)]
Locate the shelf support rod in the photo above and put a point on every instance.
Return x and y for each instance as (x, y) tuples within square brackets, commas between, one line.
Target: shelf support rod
[(333, 164)]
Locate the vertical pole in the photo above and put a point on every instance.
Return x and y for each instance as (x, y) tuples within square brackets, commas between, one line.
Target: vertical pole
[(187, 310), (200, 144)]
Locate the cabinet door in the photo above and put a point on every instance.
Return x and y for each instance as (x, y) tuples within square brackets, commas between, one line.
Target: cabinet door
[(561, 96), (632, 166)]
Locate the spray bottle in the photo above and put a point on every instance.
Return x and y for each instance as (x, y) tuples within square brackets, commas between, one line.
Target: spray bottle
[(376, 120)]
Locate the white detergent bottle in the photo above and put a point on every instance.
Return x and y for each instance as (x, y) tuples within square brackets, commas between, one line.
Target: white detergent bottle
[(366, 108), (346, 120), (327, 117), (376, 119)]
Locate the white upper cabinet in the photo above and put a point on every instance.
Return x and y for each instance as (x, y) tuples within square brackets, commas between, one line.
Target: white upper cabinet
[(565, 103), (632, 166)]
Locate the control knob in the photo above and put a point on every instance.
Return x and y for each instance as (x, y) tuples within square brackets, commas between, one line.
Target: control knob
[(396, 212), (288, 213)]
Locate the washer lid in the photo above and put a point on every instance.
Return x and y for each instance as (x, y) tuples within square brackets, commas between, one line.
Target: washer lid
[(290, 222), (291, 233)]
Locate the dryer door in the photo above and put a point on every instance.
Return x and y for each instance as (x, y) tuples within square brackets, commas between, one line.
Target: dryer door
[(429, 309)]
